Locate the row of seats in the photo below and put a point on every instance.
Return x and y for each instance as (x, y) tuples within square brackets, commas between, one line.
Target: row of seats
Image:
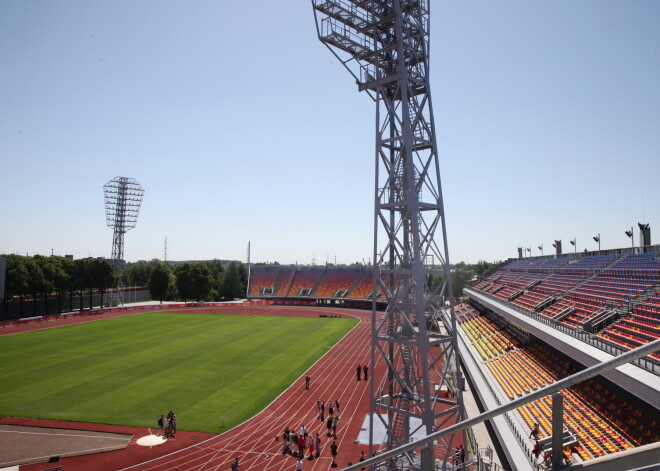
[(335, 281), (522, 369), (531, 299), (559, 369), (641, 327), (578, 291), (319, 282), (303, 280), (262, 278)]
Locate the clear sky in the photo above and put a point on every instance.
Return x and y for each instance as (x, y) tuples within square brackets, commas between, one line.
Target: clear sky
[(241, 126)]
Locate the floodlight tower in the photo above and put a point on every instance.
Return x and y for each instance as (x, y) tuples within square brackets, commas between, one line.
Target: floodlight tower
[(123, 198), (384, 44)]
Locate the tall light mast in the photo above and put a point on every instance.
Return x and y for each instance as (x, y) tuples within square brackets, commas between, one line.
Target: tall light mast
[(384, 44), (123, 198)]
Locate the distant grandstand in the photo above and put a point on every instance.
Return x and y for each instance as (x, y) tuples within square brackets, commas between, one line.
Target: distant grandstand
[(340, 286)]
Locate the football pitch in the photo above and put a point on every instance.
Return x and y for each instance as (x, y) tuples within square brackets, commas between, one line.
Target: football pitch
[(129, 370)]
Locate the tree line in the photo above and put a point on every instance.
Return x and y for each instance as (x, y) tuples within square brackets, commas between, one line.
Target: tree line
[(191, 281), (54, 278), (462, 275)]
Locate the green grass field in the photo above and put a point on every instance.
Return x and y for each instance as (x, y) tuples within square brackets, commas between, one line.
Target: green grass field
[(129, 370)]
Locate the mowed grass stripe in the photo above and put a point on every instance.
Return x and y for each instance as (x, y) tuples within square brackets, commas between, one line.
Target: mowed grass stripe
[(131, 369)]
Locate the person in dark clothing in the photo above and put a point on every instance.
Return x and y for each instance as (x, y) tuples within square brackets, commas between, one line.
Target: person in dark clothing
[(317, 445), (359, 373), (333, 451), (328, 424), (535, 431), (365, 368)]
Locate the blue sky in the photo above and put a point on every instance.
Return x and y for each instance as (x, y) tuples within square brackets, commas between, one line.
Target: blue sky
[(241, 126)]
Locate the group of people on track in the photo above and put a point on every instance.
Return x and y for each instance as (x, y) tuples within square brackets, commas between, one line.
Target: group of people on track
[(298, 443), (303, 444), (167, 425)]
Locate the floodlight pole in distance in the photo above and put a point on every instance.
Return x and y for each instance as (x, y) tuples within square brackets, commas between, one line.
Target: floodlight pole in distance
[(123, 198), (384, 44)]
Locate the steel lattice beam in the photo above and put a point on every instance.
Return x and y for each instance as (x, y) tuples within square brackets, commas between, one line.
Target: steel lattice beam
[(123, 198), (384, 45)]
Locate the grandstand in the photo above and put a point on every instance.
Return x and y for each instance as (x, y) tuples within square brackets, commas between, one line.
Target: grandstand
[(531, 322), (341, 286)]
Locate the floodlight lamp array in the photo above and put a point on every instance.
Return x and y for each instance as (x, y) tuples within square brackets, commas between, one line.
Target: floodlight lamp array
[(123, 199), (362, 35)]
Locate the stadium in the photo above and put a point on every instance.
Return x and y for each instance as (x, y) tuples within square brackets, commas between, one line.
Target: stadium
[(526, 324)]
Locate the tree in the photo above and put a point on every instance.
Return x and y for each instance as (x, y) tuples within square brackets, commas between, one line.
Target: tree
[(483, 267), (37, 283), (218, 275), (56, 277), (71, 278), (232, 287), (183, 282), (193, 280), (159, 282), (17, 280), (202, 281), (103, 277), (81, 267), (139, 273), (243, 274)]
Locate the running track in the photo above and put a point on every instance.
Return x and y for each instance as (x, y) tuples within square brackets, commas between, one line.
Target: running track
[(253, 442)]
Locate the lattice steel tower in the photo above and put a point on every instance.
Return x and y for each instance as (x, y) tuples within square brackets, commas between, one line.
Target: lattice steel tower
[(123, 198), (384, 44)]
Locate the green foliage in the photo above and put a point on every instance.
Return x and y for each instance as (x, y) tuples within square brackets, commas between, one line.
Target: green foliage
[(159, 282), (17, 279), (44, 276), (462, 274), (17, 276), (193, 280), (129, 370), (139, 273), (483, 267), (37, 282), (233, 287)]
